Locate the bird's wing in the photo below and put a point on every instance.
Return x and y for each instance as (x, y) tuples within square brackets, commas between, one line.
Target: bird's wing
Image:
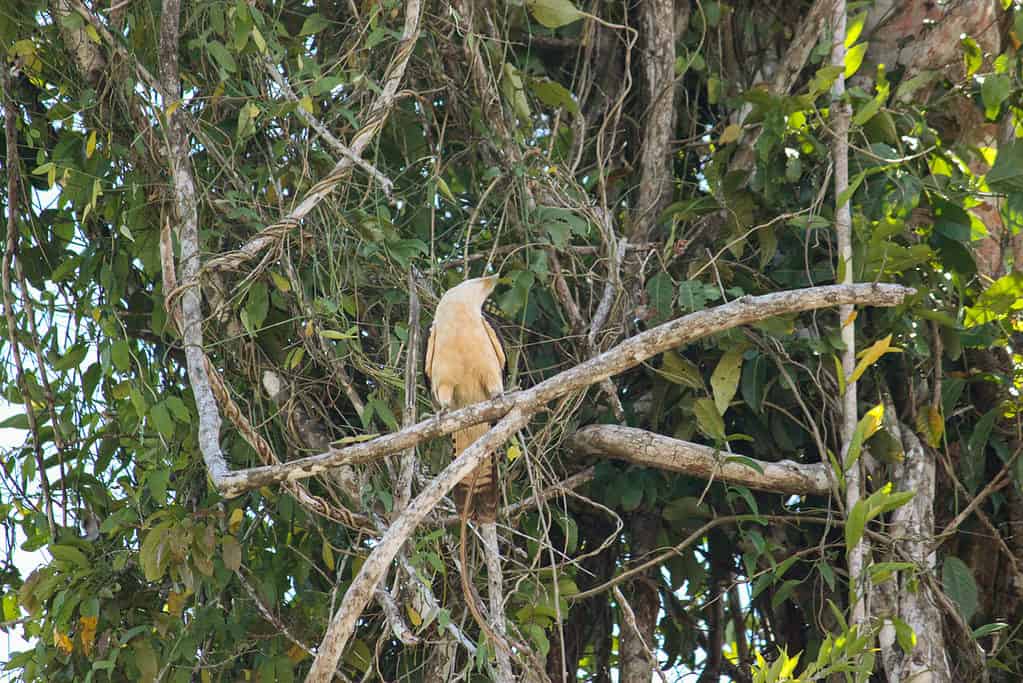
[(494, 342), (429, 352)]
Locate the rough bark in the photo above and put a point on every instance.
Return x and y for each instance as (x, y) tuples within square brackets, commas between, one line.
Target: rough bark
[(636, 637), (645, 448), (912, 528), (657, 25)]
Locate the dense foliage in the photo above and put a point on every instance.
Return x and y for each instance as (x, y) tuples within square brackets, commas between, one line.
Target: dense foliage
[(517, 143)]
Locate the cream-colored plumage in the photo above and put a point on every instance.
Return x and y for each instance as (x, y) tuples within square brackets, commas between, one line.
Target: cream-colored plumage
[(465, 364)]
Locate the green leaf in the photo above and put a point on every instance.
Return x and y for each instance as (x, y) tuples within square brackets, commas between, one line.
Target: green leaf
[(69, 554), (153, 555), (553, 94), (1004, 295), (232, 553), (221, 56), (72, 358), (554, 13), (855, 524), (314, 23), (988, 629), (725, 380), (680, 370), (854, 58), (257, 304), (161, 419), (904, 635), (708, 419), (660, 291), (995, 90), (16, 421), (1006, 175), (120, 354), (960, 586), (981, 433), (632, 496), (973, 56), (854, 28)]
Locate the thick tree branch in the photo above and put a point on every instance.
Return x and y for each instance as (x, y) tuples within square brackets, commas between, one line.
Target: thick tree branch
[(628, 354), (654, 450)]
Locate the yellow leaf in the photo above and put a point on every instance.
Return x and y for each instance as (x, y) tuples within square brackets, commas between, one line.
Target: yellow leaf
[(235, 520), (296, 654), (205, 676), (413, 616), (62, 641), (306, 103), (872, 420), (328, 555), (280, 282), (90, 145), (850, 320), (176, 603), (87, 633), (93, 34), (172, 108), (730, 134), (442, 185), (513, 452), (869, 356)]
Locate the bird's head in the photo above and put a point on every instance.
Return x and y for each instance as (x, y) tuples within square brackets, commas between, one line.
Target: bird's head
[(475, 290)]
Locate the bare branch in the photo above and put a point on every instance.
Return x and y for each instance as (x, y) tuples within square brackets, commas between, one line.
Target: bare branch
[(359, 593), (628, 354), (654, 450)]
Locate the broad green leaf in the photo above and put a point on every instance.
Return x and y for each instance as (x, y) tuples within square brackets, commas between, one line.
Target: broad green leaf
[(995, 90), (553, 94), (1003, 296), (904, 634), (708, 419), (554, 13), (960, 586), (161, 419), (232, 552), (678, 369), (257, 304), (120, 354), (221, 56), (69, 554), (725, 380), (314, 23)]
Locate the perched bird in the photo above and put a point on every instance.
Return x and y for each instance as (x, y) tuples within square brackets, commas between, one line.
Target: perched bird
[(464, 363)]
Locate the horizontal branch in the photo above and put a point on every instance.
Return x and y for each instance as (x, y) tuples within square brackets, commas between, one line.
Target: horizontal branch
[(628, 354), (654, 450)]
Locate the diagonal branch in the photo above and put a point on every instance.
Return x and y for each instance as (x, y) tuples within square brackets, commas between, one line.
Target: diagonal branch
[(628, 354), (359, 593)]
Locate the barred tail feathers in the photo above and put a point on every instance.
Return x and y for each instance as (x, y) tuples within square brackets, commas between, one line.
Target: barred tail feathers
[(482, 481)]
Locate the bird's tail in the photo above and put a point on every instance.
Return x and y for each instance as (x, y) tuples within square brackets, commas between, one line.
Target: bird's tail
[(482, 481)]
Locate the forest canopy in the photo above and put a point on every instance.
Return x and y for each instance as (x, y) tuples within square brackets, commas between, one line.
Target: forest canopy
[(760, 296)]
